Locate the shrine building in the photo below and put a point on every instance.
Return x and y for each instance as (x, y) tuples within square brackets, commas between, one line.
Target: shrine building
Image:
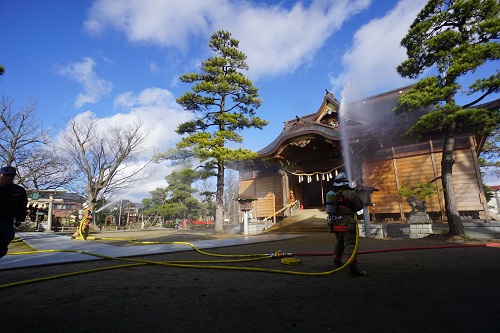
[(298, 167)]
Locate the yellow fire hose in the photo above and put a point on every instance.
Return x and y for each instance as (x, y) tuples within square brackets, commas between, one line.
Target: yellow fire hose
[(83, 230), (201, 264)]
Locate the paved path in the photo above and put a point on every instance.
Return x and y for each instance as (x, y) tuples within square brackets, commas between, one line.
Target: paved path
[(50, 241)]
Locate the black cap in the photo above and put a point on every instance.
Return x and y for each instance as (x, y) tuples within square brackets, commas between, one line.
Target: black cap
[(8, 170)]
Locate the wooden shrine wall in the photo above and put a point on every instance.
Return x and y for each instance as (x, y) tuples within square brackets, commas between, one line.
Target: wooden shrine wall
[(390, 175), (269, 192)]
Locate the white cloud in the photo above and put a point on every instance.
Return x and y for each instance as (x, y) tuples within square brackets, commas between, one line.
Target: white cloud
[(153, 67), (279, 40), (158, 110), (161, 22), (276, 39), (370, 64), (161, 115), (94, 87)]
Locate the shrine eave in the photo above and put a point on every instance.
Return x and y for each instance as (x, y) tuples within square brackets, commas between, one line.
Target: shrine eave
[(289, 133)]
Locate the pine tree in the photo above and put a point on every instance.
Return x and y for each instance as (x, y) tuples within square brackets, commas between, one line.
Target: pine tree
[(489, 159), (224, 102), (454, 37)]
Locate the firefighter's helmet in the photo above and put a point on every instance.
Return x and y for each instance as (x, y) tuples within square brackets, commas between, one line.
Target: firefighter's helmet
[(341, 179)]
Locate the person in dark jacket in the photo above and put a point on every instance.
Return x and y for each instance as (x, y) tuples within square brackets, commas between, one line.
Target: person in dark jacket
[(13, 202), (344, 224)]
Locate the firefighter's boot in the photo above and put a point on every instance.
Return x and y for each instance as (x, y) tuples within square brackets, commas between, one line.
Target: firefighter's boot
[(356, 272), (353, 269), (337, 261)]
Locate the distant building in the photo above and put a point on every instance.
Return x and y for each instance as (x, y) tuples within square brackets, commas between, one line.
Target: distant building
[(64, 205), (69, 206), (123, 213)]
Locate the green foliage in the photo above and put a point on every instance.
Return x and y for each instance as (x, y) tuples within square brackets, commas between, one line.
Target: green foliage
[(2, 70), (489, 158), (224, 101), (174, 155), (156, 204), (455, 37), (488, 192), (490, 154), (176, 200), (100, 212), (421, 190), (426, 92)]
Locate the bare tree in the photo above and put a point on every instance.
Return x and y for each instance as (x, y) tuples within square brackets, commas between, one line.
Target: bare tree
[(46, 169), (20, 130), (106, 158), (207, 196), (26, 144)]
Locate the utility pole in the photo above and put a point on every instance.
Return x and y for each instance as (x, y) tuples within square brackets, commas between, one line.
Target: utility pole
[(120, 214)]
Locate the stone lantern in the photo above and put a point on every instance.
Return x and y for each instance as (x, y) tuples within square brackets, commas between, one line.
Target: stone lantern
[(365, 194), (245, 207)]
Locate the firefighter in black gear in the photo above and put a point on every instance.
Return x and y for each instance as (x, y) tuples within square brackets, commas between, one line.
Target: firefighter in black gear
[(13, 202), (343, 223)]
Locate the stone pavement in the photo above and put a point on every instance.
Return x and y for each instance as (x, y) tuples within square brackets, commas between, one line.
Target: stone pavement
[(51, 241)]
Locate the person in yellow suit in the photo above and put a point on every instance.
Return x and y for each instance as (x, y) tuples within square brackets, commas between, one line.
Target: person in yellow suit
[(84, 227)]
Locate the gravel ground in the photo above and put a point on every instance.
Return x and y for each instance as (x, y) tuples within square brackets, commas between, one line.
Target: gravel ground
[(406, 290)]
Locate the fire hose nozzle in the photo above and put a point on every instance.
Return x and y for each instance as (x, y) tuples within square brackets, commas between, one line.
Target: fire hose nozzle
[(279, 254)]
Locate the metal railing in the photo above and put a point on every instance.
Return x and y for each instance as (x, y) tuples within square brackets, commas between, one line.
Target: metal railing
[(291, 206)]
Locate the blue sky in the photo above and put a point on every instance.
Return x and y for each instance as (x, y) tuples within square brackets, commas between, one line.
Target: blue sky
[(122, 59)]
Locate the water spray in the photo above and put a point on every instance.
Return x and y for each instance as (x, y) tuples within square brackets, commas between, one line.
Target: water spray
[(112, 202), (106, 205), (344, 136)]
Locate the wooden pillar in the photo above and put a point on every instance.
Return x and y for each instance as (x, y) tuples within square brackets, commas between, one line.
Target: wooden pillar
[(440, 194), (482, 196), (395, 166)]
